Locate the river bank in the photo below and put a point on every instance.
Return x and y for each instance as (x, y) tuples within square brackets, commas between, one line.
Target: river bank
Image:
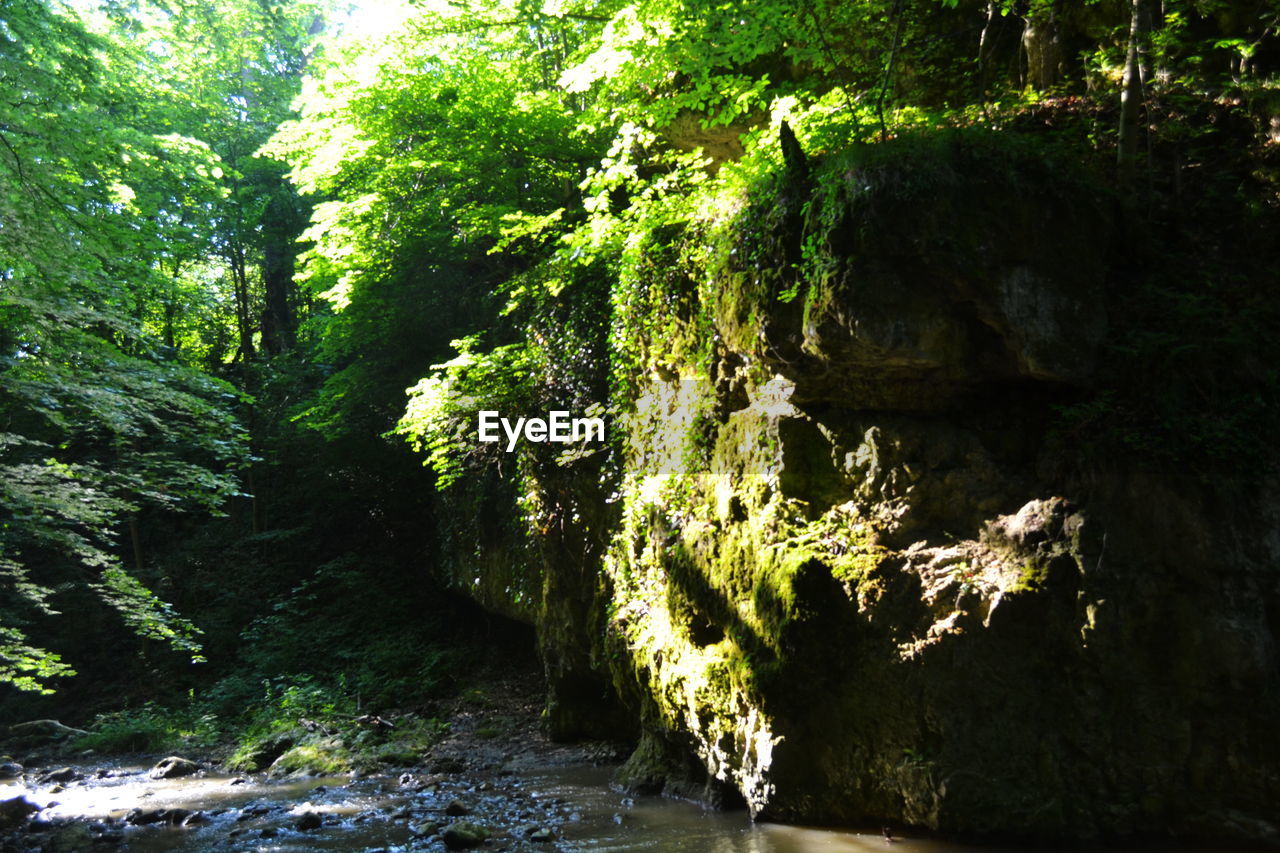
[(475, 784)]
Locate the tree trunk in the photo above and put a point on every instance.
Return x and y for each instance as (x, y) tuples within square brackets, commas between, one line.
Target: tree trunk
[(137, 543), (170, 314), (1042, 42), (984, 47), (1131, 93), (278, 322), (244, 323), (255, 504)]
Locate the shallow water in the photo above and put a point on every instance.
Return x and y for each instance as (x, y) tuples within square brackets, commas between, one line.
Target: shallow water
[(609, 822), (347, 807), (380, 814)]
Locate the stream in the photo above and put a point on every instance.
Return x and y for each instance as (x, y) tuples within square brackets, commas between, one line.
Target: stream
[(555, 808), (120, 807)]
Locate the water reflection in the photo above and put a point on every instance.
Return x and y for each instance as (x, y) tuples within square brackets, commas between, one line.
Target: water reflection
[(609, 822)]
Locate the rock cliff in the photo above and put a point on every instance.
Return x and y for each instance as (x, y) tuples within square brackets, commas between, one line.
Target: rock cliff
[(856, 569)]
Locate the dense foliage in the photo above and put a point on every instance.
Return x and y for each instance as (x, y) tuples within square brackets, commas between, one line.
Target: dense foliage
[(100, 420)]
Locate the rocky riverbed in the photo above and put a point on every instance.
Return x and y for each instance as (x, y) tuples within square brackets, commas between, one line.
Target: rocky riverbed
[(484, 782), (492, 782), (82, 807)]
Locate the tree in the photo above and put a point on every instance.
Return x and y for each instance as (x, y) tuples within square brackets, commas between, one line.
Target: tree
[(98, 421), (423, 151), (226, 73), (1132, 88)]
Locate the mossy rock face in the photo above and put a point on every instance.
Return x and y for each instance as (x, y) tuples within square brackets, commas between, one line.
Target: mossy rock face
[(844, 575), (949, 646), (921, 269)]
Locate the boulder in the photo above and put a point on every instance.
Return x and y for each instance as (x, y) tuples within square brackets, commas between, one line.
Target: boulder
[(463, 835), (16, 810), (173, 767), (263, 752), (69, 839), (426, 828), (145, 817)]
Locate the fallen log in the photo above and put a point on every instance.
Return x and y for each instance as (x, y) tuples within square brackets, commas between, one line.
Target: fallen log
[(53, 726)]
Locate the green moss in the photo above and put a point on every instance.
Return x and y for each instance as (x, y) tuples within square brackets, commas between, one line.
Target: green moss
[(1032, 577), (327, 757), (259, 750), (397, 755), (739, 530)]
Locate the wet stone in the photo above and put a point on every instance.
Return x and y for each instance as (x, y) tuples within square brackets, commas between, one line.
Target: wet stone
[(308, 821), (145, 817), (69, 839), (174, 767), (456, 808), (464, 835), (62, 774), (14, 811), (448, 764), (425, 828)]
